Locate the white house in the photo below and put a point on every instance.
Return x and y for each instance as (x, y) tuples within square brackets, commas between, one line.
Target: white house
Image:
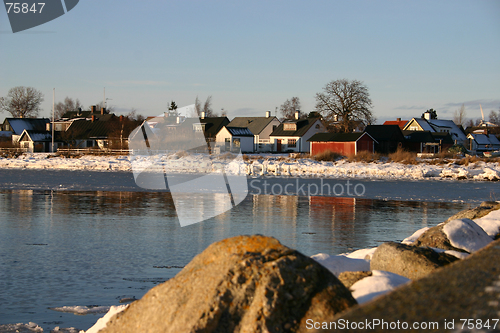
[(435, 126), (261, 128), (234, 139), (292, 136)]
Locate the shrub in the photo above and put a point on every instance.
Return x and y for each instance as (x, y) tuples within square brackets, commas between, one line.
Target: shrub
[(364, 156), (403, 156), (327, 155)]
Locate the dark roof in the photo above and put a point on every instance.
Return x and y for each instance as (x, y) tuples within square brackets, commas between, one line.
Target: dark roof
[(82, 114), (255, 124), (385, 132), (212, 124), (303, 126), (418, 136), (337, 137), (239, 131), (18, 125), (443, 137), (86, 129)]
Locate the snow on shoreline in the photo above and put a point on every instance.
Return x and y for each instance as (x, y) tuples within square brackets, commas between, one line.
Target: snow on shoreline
[(267, 165)]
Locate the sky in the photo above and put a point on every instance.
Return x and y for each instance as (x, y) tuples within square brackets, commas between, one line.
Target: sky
[(252, 56)]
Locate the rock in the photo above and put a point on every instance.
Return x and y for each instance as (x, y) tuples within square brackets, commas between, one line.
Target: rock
[(408, 261), (484, 209), (435, 237), (350, 278), (240, 284)]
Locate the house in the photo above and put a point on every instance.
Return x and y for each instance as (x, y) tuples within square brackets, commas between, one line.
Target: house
[(235, 139), (261, 127), (388, 137), (16, 126), (342, 143), (427, 142), (181, 133), (437, 125), (480, 143), (88, 134), (398, 121), (292, 136), (35, 141)]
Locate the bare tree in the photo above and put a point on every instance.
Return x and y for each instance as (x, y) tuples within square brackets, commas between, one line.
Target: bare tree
[(207, 107), (69, 104), (100, 105), (197, 107), (495, 117), (22, 102), (459, 117), (347, 102), (288, 108)]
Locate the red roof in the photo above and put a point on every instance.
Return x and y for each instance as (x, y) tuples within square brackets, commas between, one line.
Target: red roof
[(400, 123)]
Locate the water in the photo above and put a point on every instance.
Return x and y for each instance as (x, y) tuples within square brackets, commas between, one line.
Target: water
[(69, 248)]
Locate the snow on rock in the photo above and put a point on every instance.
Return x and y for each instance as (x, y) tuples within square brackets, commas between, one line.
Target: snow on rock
[(490, 223), (341, 263), (465, 234), (365, 254), (20, 328), (102, 322), (414, 236), (378, 284)]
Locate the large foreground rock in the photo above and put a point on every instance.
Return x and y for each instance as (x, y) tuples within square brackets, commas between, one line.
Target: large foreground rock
[(241, 284), (408, 261)]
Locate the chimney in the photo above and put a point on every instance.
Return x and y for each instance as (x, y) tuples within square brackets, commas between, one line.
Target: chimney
[(93, 108), (121, 118), (268, 114), (398, 119), (297, 114), (178, 120), (103, 110), (93, 118), (202, 115)]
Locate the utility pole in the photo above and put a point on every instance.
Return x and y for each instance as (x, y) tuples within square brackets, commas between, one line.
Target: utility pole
[(53, 116)]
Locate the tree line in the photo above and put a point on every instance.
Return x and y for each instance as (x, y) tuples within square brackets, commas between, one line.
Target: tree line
[(343, 104)]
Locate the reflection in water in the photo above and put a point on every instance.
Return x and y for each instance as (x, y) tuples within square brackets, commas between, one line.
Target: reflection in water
[(109, 244)]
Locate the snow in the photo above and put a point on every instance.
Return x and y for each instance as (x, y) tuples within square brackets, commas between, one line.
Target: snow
[(490, 223), (380, 283), (82, 310), (465, 234), (21, 328), (102, 322), (341, 263), (269, 165), (414, 236)]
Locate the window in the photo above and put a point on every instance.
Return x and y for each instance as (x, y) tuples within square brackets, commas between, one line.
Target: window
[(290, 127), (292, 143), (198, 127), (236, 142)]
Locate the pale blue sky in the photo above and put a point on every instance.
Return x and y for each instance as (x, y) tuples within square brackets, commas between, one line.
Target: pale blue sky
[(251, 56)]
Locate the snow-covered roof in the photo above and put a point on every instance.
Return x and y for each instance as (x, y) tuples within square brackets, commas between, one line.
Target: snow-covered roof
[(450, 125), (20, 124)]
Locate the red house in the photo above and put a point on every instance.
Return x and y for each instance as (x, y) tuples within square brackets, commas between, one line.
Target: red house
[(342, 143)]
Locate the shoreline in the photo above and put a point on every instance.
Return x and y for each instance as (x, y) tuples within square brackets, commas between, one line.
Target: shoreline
[(268, 166)]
